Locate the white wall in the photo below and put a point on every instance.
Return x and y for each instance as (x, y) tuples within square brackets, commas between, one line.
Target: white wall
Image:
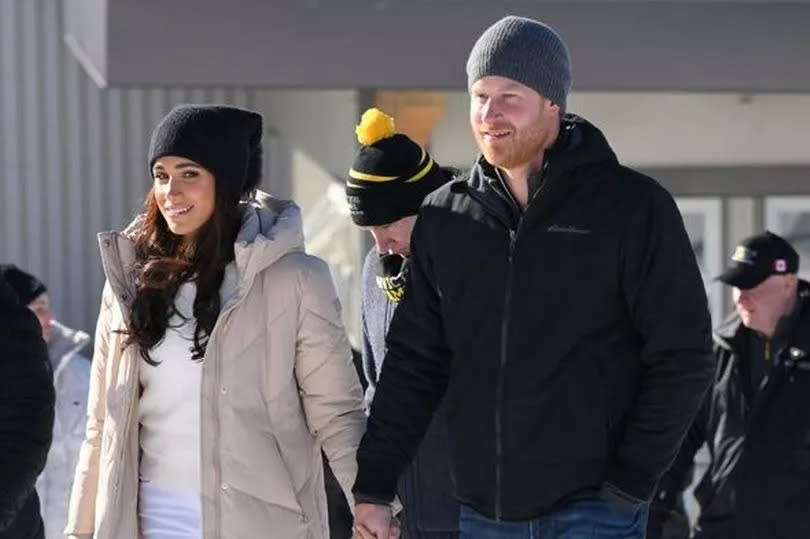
[(668, 129), (316, 137), (314, 149)]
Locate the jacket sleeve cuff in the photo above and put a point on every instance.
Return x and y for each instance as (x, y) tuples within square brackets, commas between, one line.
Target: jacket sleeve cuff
[(374, 483), (374, 500), (395, 504)]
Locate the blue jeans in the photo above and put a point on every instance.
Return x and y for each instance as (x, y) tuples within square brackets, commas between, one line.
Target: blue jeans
[(584, 518)]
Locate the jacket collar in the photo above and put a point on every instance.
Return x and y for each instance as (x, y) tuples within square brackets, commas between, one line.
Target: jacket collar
[(270, 229), (579, 146)]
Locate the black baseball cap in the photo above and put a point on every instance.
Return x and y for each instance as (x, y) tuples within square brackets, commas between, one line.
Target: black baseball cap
[(759, 257)]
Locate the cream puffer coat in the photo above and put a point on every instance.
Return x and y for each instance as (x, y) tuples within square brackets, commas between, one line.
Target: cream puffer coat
[(278, 385)]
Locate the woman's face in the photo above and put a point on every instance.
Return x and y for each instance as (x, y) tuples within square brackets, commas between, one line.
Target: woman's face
[(184, 192)]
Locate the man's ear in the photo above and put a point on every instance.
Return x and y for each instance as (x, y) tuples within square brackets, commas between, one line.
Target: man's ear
[(549, 108)]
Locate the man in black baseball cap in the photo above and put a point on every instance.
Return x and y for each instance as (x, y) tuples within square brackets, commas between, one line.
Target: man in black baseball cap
[(763, 276), (756, 420)]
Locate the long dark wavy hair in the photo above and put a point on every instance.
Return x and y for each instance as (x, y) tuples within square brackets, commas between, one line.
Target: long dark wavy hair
[(163, 261)]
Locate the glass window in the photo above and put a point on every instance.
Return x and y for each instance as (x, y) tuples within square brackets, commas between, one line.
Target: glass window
[(790, 218), (703, 220)]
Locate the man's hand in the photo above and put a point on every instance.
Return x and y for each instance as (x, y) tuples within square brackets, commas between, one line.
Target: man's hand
[(372, 521)]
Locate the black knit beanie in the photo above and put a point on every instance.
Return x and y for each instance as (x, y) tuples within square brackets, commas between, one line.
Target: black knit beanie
[(390, 175), (526, 51), (225, 140), (26, 286)]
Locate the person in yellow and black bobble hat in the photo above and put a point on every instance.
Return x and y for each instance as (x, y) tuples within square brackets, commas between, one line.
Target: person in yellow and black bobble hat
[(390, 176)]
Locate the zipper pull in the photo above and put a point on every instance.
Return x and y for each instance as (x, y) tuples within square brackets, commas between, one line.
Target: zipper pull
[(767, 350), (512, 240)]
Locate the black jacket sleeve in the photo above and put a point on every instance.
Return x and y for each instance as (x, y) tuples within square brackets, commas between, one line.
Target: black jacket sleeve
[(412, 382), (679, 475), (667, 516), (26, 408), (666, 300)]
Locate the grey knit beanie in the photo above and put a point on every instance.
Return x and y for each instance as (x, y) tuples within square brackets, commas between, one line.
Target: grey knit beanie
[(524, 50)]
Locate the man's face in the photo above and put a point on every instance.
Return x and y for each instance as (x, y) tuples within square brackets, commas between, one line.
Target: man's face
[(394, 237), (760, 308), (41, 307), (512, 124)]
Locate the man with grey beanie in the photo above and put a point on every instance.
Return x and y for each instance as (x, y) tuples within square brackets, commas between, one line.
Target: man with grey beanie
[(555, 303)]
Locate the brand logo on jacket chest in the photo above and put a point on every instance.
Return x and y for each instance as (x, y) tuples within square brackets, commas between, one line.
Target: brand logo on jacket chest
[(569, 229)]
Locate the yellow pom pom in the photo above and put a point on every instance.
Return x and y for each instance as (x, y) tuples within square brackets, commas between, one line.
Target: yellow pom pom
[(374, 125)]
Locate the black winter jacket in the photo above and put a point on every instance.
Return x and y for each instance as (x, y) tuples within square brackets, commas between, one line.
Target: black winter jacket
[(758, 481), (573, 340), (26, 417)]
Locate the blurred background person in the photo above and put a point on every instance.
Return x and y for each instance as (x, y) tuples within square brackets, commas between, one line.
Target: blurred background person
[(71, 379), (26, 416), (755, 420)]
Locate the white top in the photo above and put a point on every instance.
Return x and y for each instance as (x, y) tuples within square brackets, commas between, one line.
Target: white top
[(170, 404), (169, 514)]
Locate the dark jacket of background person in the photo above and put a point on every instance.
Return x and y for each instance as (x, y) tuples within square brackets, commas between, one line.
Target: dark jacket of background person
[(26, 417), (757, 484)]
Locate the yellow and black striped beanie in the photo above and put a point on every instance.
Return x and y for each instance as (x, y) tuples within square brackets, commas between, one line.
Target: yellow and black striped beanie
[(390, 175)]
